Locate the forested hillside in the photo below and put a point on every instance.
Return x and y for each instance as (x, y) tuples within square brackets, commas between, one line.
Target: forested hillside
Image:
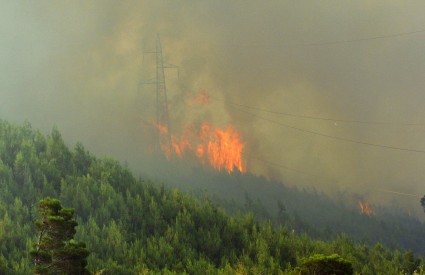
[(132, 226), (306, 211)]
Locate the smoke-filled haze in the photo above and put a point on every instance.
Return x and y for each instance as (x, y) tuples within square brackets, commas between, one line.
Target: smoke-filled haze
[(79, 64)]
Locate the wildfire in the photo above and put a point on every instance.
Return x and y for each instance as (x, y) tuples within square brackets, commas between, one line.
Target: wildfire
[(163, 133), (181, 143), (222, 149), (365, 208)]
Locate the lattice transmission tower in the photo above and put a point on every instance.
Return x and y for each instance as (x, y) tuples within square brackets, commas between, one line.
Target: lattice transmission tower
[(163, 127)]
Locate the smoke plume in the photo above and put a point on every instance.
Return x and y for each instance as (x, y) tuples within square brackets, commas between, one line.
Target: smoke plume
[(80, 64)]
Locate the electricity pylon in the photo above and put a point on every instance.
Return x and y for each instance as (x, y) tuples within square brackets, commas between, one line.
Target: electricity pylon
[(163, 129)]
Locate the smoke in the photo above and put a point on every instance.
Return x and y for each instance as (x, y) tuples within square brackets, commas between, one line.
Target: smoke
[(79, 65)]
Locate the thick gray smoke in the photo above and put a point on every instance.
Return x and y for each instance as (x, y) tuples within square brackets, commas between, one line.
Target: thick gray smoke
[(78, 65)]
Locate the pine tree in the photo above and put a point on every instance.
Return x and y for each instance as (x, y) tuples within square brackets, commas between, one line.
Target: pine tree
[(320, 264), (55, 251)]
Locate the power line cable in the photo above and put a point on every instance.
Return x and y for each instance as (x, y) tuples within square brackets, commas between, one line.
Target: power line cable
[(326, 135), (274, 164), (335, 137), (346, 41), (365, 38), (316, 117), (269, 163), (398, 193), (281, 166)]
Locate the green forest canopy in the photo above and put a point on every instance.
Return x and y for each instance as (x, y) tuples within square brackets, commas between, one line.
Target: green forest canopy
[(131, 226)]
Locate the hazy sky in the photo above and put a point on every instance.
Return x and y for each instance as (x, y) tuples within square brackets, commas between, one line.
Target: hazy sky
[(78, 65)]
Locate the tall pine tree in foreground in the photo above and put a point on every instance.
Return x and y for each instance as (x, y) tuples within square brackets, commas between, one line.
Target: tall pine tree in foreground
[(55, 251)]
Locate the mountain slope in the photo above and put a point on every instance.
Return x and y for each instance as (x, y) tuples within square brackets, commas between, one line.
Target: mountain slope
[(133, 226), (304, 210)]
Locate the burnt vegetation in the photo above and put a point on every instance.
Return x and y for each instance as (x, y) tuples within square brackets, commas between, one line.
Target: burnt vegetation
[(134, 226)]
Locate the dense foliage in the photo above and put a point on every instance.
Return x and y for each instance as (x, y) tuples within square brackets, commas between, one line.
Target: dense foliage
[(320, 264), (306, 210), (132, 226), (56, 251)]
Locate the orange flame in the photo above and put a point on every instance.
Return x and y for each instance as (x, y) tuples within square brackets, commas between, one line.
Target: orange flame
[(222, 149), (163, 133), (365, 208), (180, 145)]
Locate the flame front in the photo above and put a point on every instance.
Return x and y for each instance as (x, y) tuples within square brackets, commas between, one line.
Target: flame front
[(180, 145), (222, 149), (365, 208)]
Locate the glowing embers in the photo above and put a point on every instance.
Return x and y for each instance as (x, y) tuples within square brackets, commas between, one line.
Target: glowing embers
[(365, 208), (222, 149)]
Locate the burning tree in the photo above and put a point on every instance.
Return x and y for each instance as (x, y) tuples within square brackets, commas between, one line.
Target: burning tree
[(220, 148)]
